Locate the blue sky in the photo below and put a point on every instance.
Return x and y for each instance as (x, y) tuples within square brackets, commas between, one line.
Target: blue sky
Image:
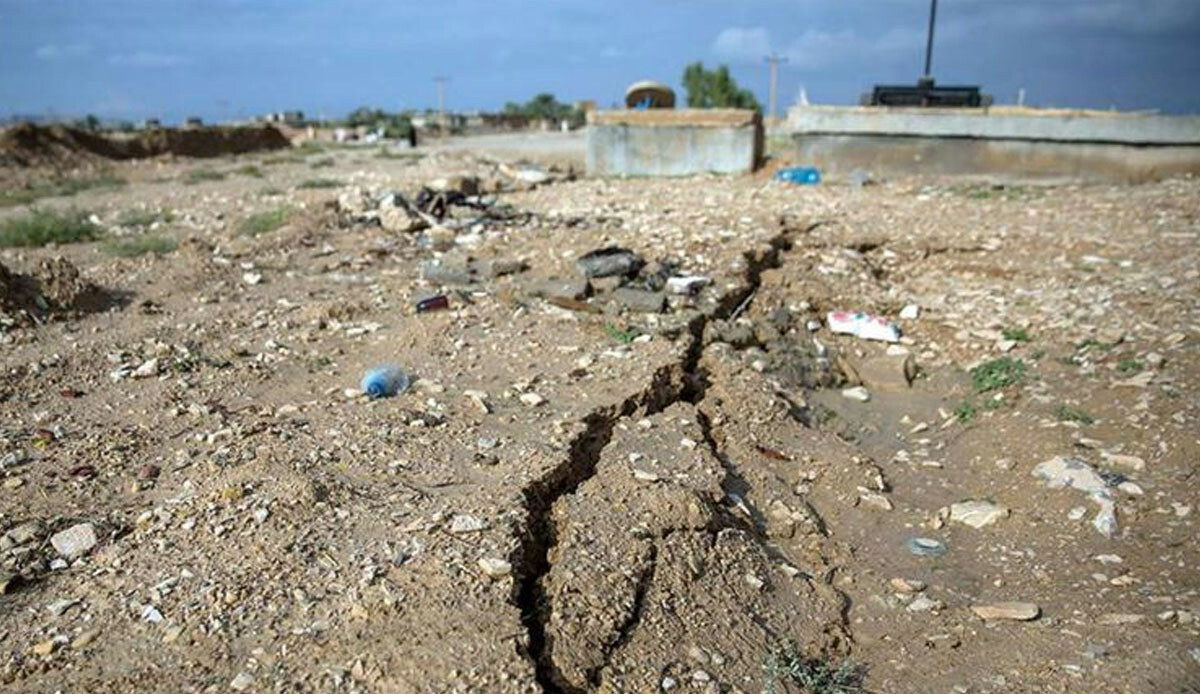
[(230, 58)]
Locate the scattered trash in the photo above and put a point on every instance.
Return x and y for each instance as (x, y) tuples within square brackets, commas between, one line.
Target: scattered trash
[(609, 262), (385, 381), (1077, 474), (863, 325), (910, 312), (687, 284), (925, 547), (438, 302), (803, 175)]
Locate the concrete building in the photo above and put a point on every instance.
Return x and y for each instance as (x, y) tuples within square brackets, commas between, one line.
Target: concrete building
[(671, 142)]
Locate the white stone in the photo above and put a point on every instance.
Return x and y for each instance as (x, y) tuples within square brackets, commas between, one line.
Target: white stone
[(147, 369), (857, 393), (75, 541), (977, 514), (464, 523), (910, 312), (494, 567), (532, 399)]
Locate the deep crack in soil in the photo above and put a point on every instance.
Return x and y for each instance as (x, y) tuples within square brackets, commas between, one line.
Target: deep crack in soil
[(541, 534)]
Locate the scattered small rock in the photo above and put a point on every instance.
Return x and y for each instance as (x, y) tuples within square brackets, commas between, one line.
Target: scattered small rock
[(75, 541), (1017, 611)]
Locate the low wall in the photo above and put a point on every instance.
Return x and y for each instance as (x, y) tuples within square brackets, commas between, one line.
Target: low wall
[(673, 142), (1084, 145)]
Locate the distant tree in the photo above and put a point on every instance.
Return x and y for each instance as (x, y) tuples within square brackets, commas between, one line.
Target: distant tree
[(89, 122), (393, 125), (544, 106), (715, 89), (365, 115)]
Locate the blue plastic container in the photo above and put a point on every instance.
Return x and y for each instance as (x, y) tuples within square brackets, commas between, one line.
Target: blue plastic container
[(803, 175), (385, 381)]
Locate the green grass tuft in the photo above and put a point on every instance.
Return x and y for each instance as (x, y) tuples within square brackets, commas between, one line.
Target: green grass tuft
[(315, 183), (142, 218), (249, 170), (1131, 366), (1066, 413), (965, 412), (623, 336), (135, 246), (1016, 334), (60, 188), (997, 373), (202, 175), (322, 163), (263, 222), (786, 665), (42, 227)]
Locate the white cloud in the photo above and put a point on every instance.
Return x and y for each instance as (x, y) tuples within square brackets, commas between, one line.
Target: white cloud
[(55, 51), (146, 59), (819, 49), (742, 43), (611, 52)]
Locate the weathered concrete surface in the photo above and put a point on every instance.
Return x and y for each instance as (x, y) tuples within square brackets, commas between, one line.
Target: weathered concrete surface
[(998, 124), (1019, 142), (898, 155), (668, 142)]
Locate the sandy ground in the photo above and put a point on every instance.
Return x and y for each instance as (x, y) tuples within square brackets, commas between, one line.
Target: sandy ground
[(630, 492)]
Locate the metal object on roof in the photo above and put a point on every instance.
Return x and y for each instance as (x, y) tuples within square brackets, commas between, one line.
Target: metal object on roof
[(649, 94)]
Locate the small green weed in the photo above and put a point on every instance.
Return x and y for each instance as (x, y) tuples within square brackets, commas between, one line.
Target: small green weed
[(965, 412), (997, 373), (309, 148), (785, 664), (322, 163), (623, 336), (250, 170), (201, 175), (42, 227), (1015, 334), (142, 218), (135, 246), (1065, 413), (1131, 366), (263, 222), (316, 183)]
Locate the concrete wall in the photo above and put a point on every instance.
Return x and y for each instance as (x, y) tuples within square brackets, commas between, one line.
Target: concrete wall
[(999, 124), (673, 142), (1098, 146), (885, 155)]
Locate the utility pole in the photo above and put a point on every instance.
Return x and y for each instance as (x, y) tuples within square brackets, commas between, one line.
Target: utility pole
[(929, 41), (773, 62), (441, 90)]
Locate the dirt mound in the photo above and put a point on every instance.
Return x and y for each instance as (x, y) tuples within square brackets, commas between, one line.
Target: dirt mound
[(60, 146), (54, 288)]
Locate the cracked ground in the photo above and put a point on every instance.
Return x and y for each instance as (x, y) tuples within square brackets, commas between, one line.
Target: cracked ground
[(577, 496)]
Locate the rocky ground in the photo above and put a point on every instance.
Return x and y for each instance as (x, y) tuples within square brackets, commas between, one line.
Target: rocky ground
[(600, 485)]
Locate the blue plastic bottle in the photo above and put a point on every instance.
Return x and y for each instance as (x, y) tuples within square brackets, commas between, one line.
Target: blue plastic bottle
[(804, 175), (385, 381)]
